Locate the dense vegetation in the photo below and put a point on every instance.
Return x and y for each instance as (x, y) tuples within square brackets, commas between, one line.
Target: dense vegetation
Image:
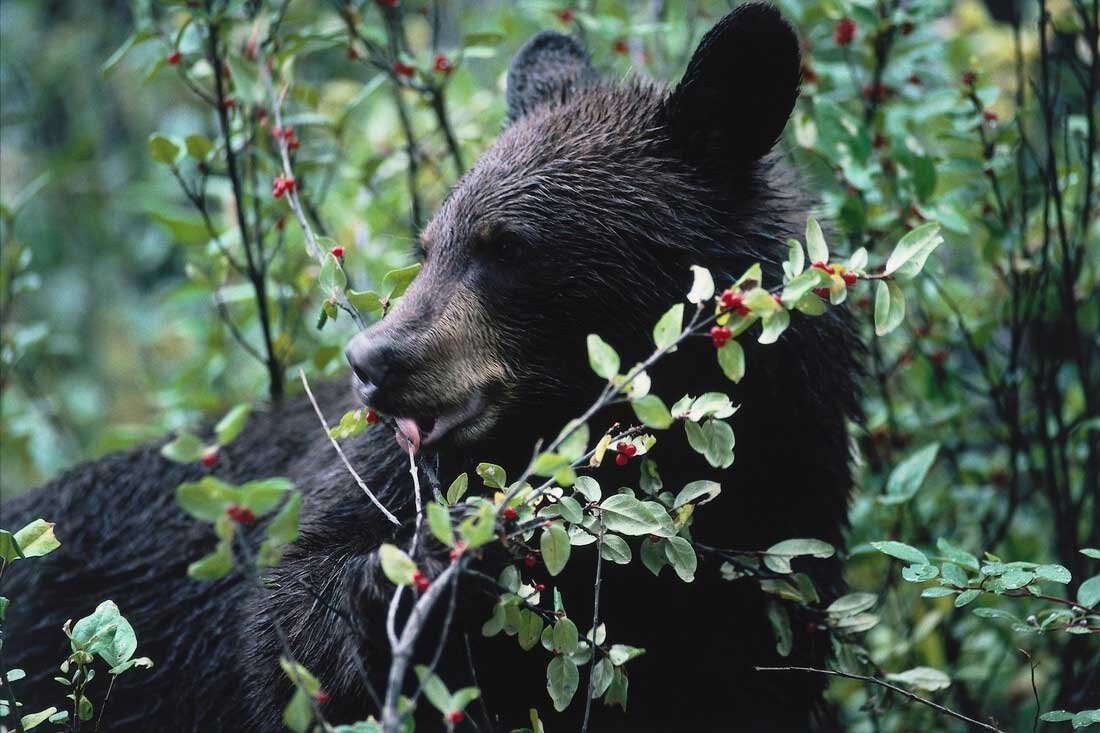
[(152, 274)]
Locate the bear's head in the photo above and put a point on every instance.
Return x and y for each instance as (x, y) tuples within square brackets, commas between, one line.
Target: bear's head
[(584, 217)]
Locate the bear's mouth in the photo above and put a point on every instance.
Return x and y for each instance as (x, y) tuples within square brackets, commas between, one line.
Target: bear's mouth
[(426, 431)]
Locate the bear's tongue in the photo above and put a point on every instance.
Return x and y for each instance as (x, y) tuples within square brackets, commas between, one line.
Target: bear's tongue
[(408, 434)]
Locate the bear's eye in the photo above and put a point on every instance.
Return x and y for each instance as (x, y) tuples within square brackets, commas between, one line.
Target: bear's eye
[(503, 246)]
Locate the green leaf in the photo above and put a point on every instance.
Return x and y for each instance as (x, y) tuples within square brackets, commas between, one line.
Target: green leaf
[(804, 283), (624, 514), (957, 555), (1091, 552), (667, 330), (132, 41), (731, 358), (781, 627), (908, 258), (398, 281), (588, 487), (365, 301), (889, 307), (713, 439), (652, 412), (547, 464), (185, 448), (283, 529), (1085, 718), (35, 719), (555, 547), (493, 475), (702, 285), (163, 150), (681, 556), (653, 555), (1056, 716), (815, 242), (457, 489), (198, 146), (570, 509), (566, 637), (775, 324), (614, 549), (562, 681), (439, 521), (332, 279), (778, 557), (397, 566), (796, 259), (213, 566), (1088, 595), (966, 597), (462, 698), (1053, 573), (298, 714), (924, 678), (230, 426), (530, 629), (696, 489), (906, 478), (351, 424), (207, 498), (33, 540), (601, 677), (434, 689), (602, 358), (263, 496), (617, 691), (852, 604), (901, 551)]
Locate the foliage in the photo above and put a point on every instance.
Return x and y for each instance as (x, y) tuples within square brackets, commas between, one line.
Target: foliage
[(285, 151)]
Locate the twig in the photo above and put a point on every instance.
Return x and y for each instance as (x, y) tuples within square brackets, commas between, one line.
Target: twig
[(888, 686), (340, 451), (595, 623)]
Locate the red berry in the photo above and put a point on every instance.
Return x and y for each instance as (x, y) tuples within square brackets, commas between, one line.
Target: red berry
[(539, 587), (622, 47), (731, 300), (281, 185), (510, 514), (778, 299), (566, 15), (938, 357), (850, 278), (240, 515), (372, 417), (402, 69), (420, 581), (808, 74), (457, 550), (720, 335), (280, 223), (210, 457), (530, 560), (989, 115), (443, 64), (906, 28), (824, 266), (337, 252), (822, 293), (968, 78), (321, 697), (456, 716), (654, 539), (352, 53), (844, 31), (173, 58), (250, 49), (621, 459), (630, 449), (914, 79), (229, 102)]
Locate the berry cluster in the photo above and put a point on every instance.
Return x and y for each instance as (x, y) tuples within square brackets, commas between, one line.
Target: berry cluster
[(240, 515), (443, 64), (173, 58), (624, 452), (210, 457), (402, 69), (420, 580), (510, 514), (282, 185), (720, 335), (287, 133), (844, 32), (733, 300)]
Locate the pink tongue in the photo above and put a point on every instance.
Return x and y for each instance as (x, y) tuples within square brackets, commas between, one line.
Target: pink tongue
[(408, 434)]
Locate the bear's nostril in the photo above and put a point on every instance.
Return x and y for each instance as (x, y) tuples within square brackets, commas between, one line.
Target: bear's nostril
[(370, 360)]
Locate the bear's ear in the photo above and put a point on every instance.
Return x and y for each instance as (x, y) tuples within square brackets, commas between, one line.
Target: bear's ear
[(548, 68), (738, 90)]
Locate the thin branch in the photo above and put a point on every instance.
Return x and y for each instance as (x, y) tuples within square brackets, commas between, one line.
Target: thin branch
[(888, 686), (340, 451)]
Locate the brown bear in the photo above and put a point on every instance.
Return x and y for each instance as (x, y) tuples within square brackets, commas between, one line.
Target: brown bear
[(584, 217)]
